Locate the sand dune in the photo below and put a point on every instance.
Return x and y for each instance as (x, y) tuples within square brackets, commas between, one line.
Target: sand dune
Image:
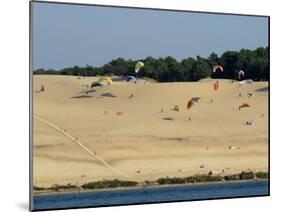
[(148, 139)]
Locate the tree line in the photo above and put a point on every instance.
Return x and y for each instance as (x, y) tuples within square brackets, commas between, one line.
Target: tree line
[(255, 64)]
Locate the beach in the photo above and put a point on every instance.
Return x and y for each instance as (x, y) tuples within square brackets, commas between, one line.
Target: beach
[(110, 133)]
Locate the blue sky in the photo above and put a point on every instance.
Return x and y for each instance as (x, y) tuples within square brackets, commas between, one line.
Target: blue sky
[(68, 35)]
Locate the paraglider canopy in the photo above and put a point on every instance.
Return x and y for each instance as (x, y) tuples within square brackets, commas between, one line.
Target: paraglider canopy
[(217, 67), (138, 66), (129, 78), (107, 79), (241, 74), (95, 84)]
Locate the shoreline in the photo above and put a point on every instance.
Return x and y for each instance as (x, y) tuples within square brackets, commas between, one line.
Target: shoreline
[(72, 191)]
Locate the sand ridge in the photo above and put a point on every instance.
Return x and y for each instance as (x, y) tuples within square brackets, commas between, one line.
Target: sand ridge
[(82, 146)]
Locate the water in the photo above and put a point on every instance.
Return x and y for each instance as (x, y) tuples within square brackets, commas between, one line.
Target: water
[(151, 195)]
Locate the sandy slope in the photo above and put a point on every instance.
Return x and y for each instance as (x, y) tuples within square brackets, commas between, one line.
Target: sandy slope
[(143, 142)]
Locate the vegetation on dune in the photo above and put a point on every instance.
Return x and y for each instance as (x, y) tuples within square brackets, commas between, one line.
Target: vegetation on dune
[(55, 187), (232, 177), (262, 175), (213, 178), (204, 178), (167, 180), (191, 179), (37, 188), (108, 184), (255, 63), (116, 183), (247, 175)]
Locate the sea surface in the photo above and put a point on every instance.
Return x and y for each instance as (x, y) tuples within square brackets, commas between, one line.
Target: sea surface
[(151, 195)]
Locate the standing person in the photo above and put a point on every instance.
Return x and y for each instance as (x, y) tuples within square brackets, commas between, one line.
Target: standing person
[(42, 89), (216, 85)]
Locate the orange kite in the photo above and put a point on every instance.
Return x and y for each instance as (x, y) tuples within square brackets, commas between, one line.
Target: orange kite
[(190, 104), (244, 105)]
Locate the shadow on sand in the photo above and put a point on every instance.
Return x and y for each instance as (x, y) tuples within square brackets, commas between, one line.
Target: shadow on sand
[(107, 95), (168, 118), (264, 89), (81, 97), (180, 139)]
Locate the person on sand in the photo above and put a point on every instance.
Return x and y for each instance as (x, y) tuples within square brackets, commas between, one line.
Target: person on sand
[(176, 108), (216, 86), (250, 95), (250, 122), (42, 89)]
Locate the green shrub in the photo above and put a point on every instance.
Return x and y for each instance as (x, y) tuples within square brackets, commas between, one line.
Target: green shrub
[(247, 175), (203, 178), (108, 184), (37, 188), (262, 175), (57, 187), (232, 177), (192, 179), (174, 180)]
